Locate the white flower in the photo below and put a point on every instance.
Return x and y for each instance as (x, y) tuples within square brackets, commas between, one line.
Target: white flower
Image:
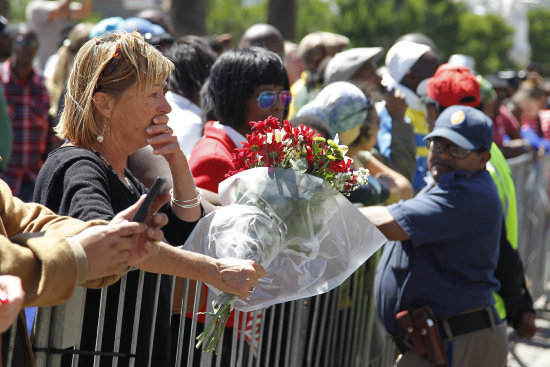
[(362, 176), (300, 165), (278, 136)]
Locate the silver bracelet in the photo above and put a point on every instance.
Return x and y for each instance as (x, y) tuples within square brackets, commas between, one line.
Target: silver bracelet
[(187, 204)]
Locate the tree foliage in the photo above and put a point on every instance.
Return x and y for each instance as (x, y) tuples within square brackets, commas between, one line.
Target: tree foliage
[(488, 39), (231, 16), (380, 23), (452, 28), (17, 10), (539, 29), (313, 15), (371, 22)]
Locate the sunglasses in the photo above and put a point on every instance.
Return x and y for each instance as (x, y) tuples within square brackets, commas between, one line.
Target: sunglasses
[(452, 150), (267, 99), (26, 42)]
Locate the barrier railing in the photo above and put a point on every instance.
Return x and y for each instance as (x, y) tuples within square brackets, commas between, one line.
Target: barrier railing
[(339, 328), (333, 329), (532, 179)]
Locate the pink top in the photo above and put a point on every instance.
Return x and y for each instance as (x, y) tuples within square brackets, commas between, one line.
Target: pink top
[(540, 125)]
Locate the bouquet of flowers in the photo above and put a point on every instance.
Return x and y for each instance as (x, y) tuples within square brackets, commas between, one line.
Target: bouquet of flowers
[(300, 149), (284, 208)]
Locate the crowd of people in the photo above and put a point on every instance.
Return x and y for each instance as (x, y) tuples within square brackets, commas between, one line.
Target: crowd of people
[(90, 115)]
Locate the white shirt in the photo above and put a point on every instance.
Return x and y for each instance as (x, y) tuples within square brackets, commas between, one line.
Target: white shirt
[(48, 32), (185, 120), (236, 137)]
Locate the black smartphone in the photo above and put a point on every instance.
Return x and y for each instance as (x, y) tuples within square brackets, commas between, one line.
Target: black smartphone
[(152, 195)]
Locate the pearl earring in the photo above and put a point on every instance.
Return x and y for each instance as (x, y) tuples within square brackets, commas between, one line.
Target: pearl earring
[(100, 136)]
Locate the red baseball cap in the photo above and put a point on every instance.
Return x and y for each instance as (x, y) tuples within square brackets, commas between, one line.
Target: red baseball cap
[(454, 85)]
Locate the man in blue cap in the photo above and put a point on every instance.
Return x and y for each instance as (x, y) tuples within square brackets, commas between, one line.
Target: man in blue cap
[(445, 252)]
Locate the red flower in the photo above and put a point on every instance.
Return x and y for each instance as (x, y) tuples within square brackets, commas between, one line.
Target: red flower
[(340, 166), (289, 131), (231, 173), (273, 123), (286, 145), (307, 133), (262, 127), (258, 126), (255, 142), (275, 153)]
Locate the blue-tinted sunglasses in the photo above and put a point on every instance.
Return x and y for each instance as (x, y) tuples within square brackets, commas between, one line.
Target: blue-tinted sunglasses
[(267, 99), (26, 42)]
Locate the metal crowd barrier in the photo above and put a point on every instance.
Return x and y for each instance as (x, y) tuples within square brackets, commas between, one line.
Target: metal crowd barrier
[(532, 180), (339, 328)]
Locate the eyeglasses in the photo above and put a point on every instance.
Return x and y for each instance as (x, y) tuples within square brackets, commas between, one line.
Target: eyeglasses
[(267, 99), (452, 150), (26, 42)]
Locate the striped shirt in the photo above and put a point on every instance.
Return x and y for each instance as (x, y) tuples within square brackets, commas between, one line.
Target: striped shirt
[(28, 104), (540, 124)]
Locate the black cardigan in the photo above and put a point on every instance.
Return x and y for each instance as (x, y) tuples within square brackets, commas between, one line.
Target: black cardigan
[(75, 182)]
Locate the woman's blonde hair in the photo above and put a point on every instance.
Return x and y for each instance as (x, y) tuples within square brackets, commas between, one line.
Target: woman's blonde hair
[(109, 64), (65, 54)]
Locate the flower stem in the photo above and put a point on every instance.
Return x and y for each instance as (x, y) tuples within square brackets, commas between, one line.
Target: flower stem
[(212, 334)]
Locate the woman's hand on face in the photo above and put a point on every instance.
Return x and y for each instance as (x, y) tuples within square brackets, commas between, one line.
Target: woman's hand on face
[(163, 141)]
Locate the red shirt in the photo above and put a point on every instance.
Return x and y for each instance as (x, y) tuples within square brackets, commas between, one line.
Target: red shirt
[(28, 103), (212, 157), (504, 124)]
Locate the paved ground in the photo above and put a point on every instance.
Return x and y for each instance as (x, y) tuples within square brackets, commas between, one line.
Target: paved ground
[(534, 352)]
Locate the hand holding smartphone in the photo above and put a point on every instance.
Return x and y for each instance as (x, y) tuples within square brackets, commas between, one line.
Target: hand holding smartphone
[(152, 195)]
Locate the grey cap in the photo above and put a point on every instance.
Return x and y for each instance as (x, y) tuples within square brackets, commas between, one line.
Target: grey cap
[(345, 63), (342, 106)]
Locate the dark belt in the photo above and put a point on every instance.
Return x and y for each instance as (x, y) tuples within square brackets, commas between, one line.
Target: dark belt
[(468, 322)]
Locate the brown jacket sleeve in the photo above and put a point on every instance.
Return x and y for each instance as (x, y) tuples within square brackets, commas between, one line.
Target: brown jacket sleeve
[(33, 246)]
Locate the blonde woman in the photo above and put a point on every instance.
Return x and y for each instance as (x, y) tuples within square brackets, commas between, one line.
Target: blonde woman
[(114, 106)]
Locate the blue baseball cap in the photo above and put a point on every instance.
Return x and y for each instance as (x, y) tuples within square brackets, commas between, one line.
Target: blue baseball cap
[(107, 25), (142, 26), (467, 127)]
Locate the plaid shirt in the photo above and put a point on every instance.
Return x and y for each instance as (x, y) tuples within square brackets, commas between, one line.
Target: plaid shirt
[(28, 104)]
